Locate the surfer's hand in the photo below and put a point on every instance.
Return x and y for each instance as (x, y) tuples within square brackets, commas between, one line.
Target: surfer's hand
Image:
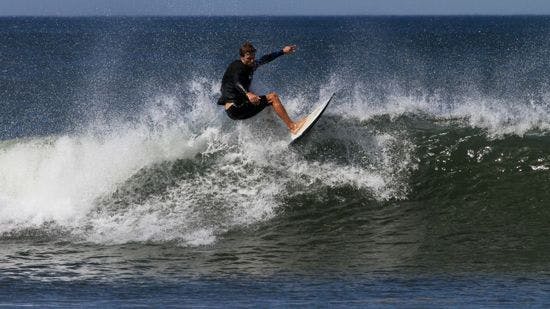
[(254, 99), (289, 49)]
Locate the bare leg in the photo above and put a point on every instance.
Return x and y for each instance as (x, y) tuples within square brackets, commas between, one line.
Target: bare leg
[(280, 110)]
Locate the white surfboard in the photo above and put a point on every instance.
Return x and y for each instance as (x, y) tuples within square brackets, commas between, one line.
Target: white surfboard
[(311, 119)]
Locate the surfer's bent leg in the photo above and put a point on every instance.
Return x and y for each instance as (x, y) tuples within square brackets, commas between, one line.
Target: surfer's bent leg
[(280, 110), (245, 110)]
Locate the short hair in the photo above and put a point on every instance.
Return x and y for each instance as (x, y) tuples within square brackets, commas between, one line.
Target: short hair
[(247, 48)]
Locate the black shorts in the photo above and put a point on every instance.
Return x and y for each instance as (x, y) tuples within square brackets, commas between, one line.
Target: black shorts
[(246, 109)]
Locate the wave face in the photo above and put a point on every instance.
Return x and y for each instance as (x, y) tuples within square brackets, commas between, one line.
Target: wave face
[(435, 151)]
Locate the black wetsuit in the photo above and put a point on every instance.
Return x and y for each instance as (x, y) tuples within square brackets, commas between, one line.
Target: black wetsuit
[(236, 83)]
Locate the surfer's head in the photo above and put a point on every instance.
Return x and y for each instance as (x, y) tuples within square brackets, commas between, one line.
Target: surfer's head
[(247, 53)]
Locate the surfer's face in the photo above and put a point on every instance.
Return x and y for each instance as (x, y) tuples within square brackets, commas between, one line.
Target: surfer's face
[(248, 59)]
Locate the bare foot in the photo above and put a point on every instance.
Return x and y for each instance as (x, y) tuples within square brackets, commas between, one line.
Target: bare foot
[(294, 127)]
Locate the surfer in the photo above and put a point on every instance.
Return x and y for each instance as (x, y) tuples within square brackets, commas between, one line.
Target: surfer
[(239, 101)]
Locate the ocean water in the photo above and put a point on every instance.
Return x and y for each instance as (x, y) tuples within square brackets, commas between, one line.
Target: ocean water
[(425, 184)]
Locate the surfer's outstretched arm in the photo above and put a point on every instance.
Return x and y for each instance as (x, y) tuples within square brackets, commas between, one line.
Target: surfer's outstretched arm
[(270, 57)]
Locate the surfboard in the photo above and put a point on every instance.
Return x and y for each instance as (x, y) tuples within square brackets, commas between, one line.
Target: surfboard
[(311, 119)]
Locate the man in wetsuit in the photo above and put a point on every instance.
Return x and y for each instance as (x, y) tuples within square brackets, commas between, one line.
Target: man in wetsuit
[(241, 103)]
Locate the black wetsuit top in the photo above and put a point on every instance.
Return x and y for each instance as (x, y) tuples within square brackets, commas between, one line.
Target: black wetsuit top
[(238, 77)]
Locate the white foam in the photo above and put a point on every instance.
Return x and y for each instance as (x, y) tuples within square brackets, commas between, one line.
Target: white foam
[(504, 118), (60, 179), (498, 116)]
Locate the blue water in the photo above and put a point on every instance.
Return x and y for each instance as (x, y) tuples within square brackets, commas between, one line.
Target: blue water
[(425, 183), (388, 291)]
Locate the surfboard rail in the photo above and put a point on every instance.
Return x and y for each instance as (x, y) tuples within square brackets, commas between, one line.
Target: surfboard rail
[(311, 119)]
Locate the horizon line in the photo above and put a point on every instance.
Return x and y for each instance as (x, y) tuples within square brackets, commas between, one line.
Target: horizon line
[(281, 15)]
